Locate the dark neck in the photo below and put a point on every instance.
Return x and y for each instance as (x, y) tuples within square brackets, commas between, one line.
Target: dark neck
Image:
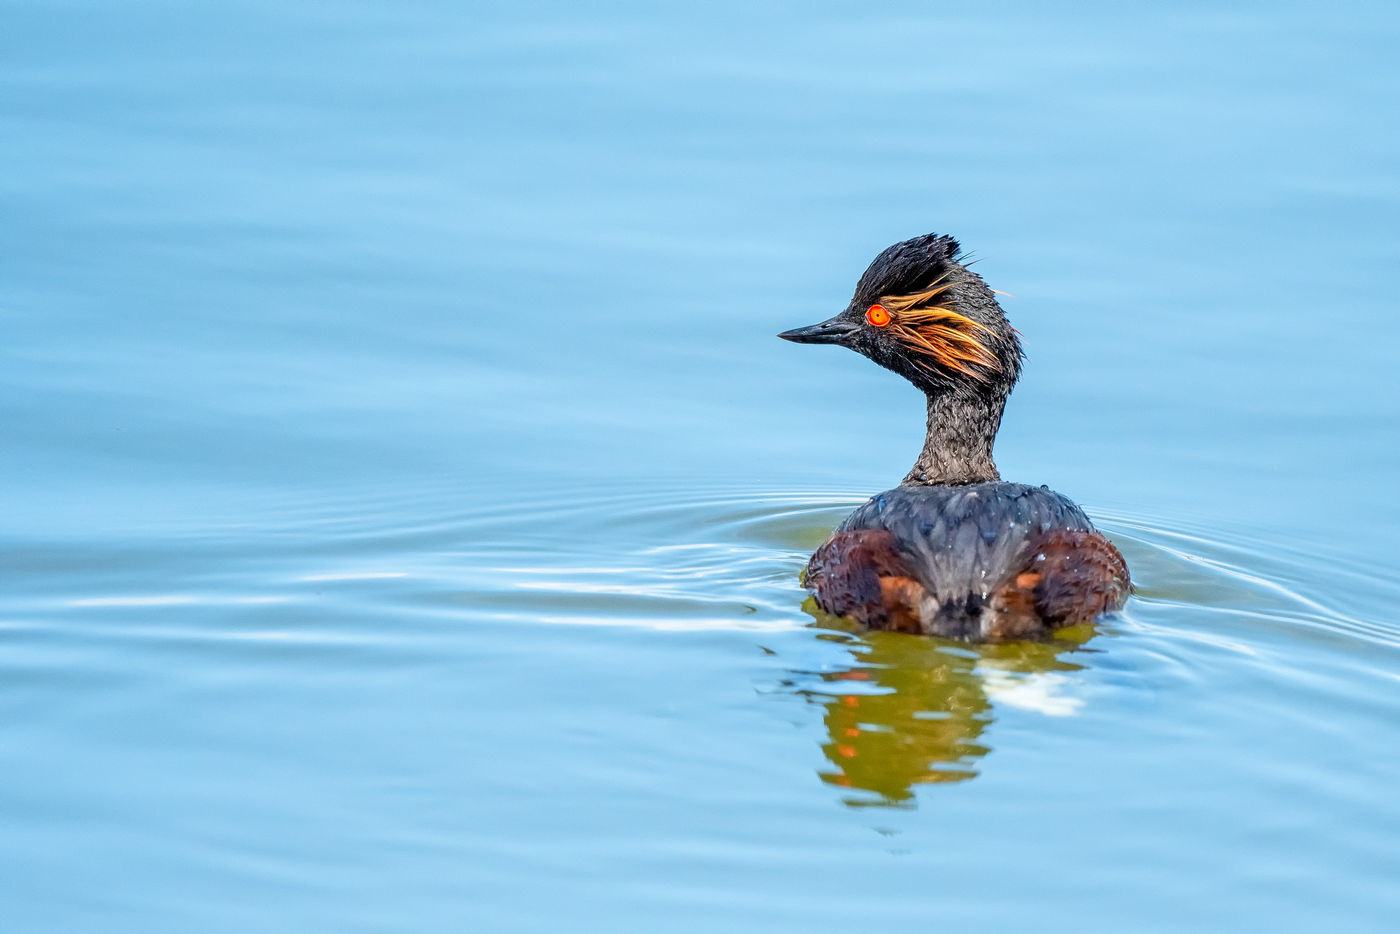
[(958, 449)]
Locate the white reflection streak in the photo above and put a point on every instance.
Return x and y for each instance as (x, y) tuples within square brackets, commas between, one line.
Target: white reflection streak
[(636, 570), (1038, 692), (171, 600), (722, 624), (576, 587)]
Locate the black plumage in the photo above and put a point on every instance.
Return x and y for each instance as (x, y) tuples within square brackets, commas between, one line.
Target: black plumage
[(964, 544)]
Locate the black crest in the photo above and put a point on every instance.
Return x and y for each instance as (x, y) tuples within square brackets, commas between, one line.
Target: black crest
[(909, 266)]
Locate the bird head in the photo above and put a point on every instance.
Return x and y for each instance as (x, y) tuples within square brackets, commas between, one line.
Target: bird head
[(919, 311)]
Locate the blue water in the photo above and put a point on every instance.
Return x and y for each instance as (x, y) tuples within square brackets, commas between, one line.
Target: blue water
[(404, 493)]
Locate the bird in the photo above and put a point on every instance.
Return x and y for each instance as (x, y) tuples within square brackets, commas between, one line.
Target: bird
[(954, 551)]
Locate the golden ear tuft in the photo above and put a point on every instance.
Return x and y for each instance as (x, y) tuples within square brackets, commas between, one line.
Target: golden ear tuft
[(937, 335)]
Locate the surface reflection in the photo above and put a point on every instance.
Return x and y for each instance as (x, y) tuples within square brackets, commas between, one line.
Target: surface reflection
[(911, 710)]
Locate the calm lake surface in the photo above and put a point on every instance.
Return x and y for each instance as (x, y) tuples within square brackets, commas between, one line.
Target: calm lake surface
[(404, 494)]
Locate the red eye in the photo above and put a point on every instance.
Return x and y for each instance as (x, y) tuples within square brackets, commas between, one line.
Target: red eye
[(877, 315)]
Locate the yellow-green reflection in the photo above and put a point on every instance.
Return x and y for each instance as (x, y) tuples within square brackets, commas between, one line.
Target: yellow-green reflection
[(911, 710)]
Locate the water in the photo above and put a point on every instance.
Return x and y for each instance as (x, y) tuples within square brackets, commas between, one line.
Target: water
[(405, 493)]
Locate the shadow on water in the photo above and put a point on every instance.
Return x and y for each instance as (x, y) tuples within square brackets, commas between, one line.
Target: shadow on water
[(911, 710)]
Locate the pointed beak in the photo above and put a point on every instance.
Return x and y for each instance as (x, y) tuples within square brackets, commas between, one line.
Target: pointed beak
[(837, 330)]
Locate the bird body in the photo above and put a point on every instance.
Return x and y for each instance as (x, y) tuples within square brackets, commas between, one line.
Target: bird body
[(954, 551), (981, 561)]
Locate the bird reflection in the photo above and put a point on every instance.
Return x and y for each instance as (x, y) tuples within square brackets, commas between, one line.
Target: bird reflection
[(912, 710)]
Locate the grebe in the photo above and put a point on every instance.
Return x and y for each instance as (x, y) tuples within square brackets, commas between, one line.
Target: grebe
[(954, 551)]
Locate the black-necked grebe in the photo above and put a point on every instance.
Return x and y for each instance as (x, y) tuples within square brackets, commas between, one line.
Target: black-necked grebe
[(953, 550)]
